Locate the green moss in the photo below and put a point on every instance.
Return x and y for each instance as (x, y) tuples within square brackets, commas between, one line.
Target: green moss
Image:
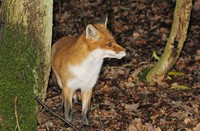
[(18, 61), (143, 74)]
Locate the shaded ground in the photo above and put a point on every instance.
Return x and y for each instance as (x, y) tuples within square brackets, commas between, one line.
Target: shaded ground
[(121, 101)]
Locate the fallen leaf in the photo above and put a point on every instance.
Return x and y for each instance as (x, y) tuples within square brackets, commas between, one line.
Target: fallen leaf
[(131, 127), (196, 6), (136, 73), (186, 120), (106, 88), (177, 86), (110, 113), (131, 107), (157, 129), (197, 128), (141, 42), (164, 37), (136, 35)]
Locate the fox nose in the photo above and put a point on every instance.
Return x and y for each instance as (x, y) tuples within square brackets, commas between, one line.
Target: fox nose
[(125, 51)]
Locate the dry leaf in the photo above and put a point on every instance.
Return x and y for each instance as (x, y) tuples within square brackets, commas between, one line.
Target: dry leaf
[(132, 127), (131, 107), (186, 120), (136, 35), (197, 128)]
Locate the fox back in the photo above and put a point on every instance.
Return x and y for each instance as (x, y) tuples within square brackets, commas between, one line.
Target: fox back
[(76, 63)]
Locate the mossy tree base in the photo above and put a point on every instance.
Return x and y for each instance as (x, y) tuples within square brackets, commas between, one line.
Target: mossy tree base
[(18, 58), (24, 61)]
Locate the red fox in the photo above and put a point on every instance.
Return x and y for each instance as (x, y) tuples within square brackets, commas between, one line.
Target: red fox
[(76, 63)]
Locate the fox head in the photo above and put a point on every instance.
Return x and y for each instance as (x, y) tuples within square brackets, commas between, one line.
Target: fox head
[(99, 38)]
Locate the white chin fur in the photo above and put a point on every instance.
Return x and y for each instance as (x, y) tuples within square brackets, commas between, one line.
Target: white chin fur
[(112, 54), (101, 53), (121, 54)]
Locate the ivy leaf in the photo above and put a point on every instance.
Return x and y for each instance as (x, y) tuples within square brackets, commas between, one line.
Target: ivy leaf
[(155, 56), (177, 86), (143, 74), (174, 73)]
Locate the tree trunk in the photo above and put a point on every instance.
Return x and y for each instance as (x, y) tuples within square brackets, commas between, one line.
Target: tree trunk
[(24, 60), (175, 41)]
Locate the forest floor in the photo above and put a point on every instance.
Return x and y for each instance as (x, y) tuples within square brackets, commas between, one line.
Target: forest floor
[(122, 100)]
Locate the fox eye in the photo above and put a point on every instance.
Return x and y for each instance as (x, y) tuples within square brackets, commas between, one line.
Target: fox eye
[(109, 44)]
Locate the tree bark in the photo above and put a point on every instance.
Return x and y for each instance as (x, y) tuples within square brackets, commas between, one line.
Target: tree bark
[(175, 41), (24, 60)]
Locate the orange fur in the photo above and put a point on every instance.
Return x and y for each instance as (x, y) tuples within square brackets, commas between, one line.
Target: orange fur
[(71, 52)]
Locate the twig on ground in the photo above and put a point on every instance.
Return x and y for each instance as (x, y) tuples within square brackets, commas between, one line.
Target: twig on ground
[(53, 113), (47, 127), (59, 7), (119, 67), (15, 107)]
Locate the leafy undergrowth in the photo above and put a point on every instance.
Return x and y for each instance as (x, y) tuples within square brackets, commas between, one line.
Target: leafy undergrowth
[(121, 98)]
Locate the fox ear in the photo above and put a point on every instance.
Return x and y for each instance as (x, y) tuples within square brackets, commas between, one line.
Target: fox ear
[(91, 32), (103, 20), (106, 20)]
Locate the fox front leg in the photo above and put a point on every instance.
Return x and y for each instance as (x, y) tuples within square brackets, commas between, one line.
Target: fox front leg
[(67, 100), (86, 100)]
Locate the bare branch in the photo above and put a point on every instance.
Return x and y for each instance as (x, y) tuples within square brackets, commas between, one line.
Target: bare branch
[(53, 113), (16, 116)]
